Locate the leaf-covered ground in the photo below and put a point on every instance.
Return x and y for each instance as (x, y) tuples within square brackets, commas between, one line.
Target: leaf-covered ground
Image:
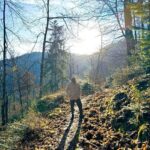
[(118, 118), (115, 119)]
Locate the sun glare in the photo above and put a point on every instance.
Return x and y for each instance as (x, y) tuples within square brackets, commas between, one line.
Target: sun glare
[(87, 41)]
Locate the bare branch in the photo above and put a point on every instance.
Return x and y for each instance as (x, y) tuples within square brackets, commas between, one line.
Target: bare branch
[(14, 34)]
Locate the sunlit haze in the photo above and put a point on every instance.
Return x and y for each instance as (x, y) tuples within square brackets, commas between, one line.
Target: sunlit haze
[(86, 39), (86, 42)]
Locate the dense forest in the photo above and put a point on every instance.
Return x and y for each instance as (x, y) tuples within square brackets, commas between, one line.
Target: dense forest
[(104, 44)]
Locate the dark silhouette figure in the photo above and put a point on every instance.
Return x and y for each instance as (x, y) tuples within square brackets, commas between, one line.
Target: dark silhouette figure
[(73, 91), (79, 104)]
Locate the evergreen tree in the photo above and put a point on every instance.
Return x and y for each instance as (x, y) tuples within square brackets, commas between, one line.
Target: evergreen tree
[(55, 62), (141, 10)]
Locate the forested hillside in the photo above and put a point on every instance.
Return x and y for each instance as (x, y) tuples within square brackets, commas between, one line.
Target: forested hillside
[(81, 64), (115, 118)]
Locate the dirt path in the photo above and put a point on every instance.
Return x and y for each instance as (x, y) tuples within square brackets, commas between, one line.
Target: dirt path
[(96, 133), (58, 132), (69, 139)]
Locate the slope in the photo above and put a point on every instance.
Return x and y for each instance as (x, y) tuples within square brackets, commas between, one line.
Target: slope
[(115, 118)]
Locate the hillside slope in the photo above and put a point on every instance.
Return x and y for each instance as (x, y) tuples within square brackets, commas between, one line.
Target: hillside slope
[(81, 63), (115, 118), (118, 118)]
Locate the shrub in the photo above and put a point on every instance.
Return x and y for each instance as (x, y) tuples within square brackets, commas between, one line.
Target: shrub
[(121, 76), (87, 89), (144, 133), (49, 103)]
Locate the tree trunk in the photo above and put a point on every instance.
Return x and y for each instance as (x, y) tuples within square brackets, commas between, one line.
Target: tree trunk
[(20, 94), (43, 51), (127, 15), (128, 31), (4, 110)]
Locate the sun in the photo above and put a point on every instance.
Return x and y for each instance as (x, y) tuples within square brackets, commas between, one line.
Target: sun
[(87, 42)]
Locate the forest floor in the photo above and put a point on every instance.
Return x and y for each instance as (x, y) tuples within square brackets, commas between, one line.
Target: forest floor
[(58, 132), (114, 119)]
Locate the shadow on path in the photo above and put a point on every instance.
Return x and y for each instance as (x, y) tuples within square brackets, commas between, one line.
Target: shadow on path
[(64, 138), (75, 139)]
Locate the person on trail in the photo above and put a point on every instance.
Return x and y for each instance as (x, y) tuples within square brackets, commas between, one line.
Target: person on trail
[(73, 91)]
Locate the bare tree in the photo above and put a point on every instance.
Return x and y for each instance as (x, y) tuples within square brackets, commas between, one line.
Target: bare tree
[(125, 29), (11, 9), (71, 65), (46, 36), (5, 100), (44, 45)]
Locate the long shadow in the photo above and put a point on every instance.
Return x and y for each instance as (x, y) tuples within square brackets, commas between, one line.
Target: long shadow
[(64, 138), (74, 141)]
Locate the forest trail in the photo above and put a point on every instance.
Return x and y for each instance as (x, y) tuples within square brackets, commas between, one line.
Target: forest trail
[(57, 132), (62, 133), (105, 113), (70, 137)]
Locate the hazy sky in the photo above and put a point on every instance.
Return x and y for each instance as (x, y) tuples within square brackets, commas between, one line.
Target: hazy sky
[(86, 39)]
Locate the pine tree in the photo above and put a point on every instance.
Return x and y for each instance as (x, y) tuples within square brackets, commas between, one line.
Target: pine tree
[(55, 62), (141, 10)]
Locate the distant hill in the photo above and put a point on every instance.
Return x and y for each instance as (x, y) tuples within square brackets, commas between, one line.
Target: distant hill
[(112, 57), (30, 62)]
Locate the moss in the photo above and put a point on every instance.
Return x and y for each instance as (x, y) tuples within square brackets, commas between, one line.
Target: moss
[(144, 133), (143, 85), (46, 105)]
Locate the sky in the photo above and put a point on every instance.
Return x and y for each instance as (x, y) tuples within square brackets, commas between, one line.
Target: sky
[(86, 39)]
